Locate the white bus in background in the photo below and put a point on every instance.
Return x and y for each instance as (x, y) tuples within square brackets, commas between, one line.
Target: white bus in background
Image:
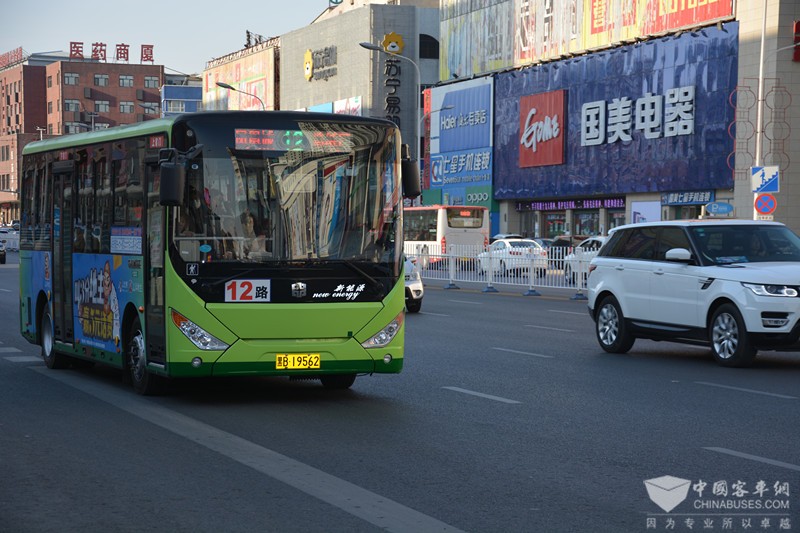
[(432, 231)]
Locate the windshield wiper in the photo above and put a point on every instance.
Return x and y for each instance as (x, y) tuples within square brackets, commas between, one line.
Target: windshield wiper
[(355, 268)]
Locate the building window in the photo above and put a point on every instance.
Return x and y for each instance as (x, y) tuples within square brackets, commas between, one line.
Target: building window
[(73, 127), (126, 107), (428, 47), (49, 81), (176, 106), (49, 129), (101, 106), (72, 105), (70, 78), (49, 108), (151, 82), (149, 108), (125, 80), (101, 80)]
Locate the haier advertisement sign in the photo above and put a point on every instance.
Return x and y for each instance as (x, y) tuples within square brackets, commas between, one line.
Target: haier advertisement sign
[(461, 138), (647, 117)]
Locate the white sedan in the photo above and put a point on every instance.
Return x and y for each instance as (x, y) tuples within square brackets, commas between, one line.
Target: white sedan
[(578, 261), (506, 255)]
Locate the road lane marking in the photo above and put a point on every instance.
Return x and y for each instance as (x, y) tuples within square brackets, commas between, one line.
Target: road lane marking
[(5, 290), (523, 353), (9, 349), (751, 391), (433, 314), (369, 506), (24, 358), (765, 460), (584, 313), (481, 395), (552, 329), (465, 302)]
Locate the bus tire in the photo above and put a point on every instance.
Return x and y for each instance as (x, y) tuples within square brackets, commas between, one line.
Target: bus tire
[(142, 380), (337, 381), (51, 358)]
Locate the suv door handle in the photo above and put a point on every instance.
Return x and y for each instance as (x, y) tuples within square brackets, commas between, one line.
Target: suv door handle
[(658, 272)]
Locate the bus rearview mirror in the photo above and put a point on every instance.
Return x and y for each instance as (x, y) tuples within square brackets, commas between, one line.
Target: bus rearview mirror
[(173, 178), (410, 172)]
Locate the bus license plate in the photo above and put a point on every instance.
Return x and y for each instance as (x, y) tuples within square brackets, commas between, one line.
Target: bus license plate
[(296, 361)]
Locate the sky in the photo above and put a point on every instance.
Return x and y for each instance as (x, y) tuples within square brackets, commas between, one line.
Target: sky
[(184, 34)]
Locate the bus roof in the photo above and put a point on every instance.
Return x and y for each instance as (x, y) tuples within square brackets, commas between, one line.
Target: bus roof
[(98, 136), (158, 125)]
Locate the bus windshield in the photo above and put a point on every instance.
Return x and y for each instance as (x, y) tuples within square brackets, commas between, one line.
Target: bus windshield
[(319, 192)]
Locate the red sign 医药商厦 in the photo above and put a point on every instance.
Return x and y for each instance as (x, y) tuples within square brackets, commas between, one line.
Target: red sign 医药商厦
[(541, 129)]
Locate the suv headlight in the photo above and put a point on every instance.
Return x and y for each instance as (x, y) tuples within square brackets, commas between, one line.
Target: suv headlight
[(772, 290), (385, 336)]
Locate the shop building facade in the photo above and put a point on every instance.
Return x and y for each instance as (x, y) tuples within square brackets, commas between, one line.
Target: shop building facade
[(609, 117)]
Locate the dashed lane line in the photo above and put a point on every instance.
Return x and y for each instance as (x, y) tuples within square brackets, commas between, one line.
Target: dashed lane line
[(522, 353), (757, 458), (481, 395), (751, 391)]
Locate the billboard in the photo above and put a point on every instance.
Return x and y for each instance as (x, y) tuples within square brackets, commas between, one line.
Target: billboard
[(461, 136), (251, 71), (648, 117), (514, 33)]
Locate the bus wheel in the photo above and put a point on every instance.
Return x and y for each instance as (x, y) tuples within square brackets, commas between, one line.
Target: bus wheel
[(51, 358), (143, 381), (338, 381)]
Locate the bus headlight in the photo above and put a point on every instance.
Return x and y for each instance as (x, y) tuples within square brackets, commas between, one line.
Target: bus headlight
[(385, 335), (199, 337)]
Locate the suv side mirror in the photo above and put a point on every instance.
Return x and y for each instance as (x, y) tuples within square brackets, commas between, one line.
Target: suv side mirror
[(679, 255)]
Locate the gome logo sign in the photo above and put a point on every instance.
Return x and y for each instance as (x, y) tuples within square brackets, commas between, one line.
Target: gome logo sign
[(541, 129)]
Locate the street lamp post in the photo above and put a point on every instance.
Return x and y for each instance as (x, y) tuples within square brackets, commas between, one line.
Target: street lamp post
[(420, 148), (422, 119), (376, 48), (232, 88)]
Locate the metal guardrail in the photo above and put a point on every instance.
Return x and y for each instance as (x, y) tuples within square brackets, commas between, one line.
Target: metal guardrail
[(556, 268)]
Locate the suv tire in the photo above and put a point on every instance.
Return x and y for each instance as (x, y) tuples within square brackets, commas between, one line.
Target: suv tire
[(730, 343), (610, 327)]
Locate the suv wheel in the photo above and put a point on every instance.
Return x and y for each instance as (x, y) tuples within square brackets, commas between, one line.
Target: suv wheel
[(612, 331), (729, 340)]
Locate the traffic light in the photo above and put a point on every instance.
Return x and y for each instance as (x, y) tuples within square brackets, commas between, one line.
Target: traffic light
[(796, 56)]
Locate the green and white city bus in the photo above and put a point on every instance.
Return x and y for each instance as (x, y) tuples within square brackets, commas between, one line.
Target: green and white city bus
[(218, 244)]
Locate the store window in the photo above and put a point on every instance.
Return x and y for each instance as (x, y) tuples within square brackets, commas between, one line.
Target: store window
[(615, 218), (586, 223), (555, 224)]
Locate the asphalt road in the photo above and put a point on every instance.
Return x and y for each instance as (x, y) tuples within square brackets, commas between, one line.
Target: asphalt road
[(507, 417)]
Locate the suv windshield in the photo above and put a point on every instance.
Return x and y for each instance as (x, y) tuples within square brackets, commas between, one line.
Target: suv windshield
[(720, 245), (316, 192)]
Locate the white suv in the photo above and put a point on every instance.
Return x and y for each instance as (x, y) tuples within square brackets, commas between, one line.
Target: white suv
[(730, 284)]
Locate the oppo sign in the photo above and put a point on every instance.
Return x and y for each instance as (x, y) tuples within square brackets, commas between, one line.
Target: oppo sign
[(477, 197)]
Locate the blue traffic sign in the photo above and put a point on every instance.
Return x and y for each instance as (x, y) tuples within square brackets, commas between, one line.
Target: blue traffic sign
[(765, 179), (719, 208)]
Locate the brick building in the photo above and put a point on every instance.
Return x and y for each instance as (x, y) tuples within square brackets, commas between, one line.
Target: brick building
[(46, 95)]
